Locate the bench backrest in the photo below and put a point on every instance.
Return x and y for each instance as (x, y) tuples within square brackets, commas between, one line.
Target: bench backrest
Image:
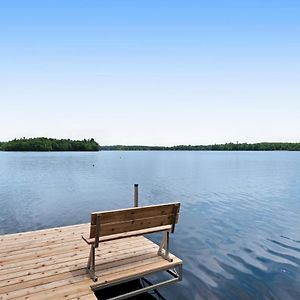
[(132, 219)]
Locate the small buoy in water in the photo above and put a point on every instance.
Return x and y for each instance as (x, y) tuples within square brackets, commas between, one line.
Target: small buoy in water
[(93, 165), (120, 157)]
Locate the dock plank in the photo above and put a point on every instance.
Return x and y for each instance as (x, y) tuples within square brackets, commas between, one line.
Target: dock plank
[(50, 263)]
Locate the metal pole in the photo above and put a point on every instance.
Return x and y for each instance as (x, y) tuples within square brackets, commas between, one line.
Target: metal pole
[(136, 195)]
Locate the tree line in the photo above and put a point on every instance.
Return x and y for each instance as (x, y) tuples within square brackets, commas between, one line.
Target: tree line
[(215, 147), (49, 144)]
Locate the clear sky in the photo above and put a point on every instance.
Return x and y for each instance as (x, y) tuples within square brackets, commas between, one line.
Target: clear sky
[(150, 72)]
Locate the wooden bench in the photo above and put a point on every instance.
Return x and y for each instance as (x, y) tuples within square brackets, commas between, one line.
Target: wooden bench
[(123, 223)]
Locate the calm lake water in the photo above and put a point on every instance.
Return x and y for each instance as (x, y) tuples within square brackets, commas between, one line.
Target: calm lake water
[(239, 232)]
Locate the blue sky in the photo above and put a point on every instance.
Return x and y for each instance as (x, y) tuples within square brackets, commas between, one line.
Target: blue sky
[(150, 72)]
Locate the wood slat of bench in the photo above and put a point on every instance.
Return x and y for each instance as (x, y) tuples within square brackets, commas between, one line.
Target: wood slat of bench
[(133, 213), (132, 225), (128, 234)]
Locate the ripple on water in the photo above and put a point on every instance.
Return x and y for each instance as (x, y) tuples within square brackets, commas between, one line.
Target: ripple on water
[(238, 233)]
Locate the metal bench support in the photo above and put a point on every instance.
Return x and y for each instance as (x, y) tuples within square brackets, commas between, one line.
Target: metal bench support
[(164, 248), (176, 273)]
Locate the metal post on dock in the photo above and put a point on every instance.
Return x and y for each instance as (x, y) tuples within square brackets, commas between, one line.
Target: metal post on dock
[(136, 195)]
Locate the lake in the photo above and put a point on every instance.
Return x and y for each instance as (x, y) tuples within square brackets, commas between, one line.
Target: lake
[(239, 229)]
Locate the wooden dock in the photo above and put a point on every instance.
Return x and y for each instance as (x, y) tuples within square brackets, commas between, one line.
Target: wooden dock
[(51, 264)]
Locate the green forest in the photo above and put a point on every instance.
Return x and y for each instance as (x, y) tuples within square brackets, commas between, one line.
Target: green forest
[(49, 144), (216, 147)]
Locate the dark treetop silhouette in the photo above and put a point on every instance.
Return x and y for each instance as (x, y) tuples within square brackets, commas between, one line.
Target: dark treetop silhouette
[(49, 144), (216, 147)]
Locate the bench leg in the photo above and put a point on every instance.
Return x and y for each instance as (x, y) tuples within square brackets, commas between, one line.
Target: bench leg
[(163, 250), (162, 244), (91, 264)]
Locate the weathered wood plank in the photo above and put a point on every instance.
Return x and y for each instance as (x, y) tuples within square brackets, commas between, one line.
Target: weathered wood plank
[(63, 292), (134, 233), (136, 271), (85, 297), (127, 258), (13, 294), (105, 261), (125, 214), (139, 224), (50, 264), (31, 235), (106, 247), (28, 243), (137, 218)]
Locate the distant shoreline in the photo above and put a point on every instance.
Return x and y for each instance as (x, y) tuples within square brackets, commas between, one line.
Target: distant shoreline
[(66, 145), (265, 146)]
